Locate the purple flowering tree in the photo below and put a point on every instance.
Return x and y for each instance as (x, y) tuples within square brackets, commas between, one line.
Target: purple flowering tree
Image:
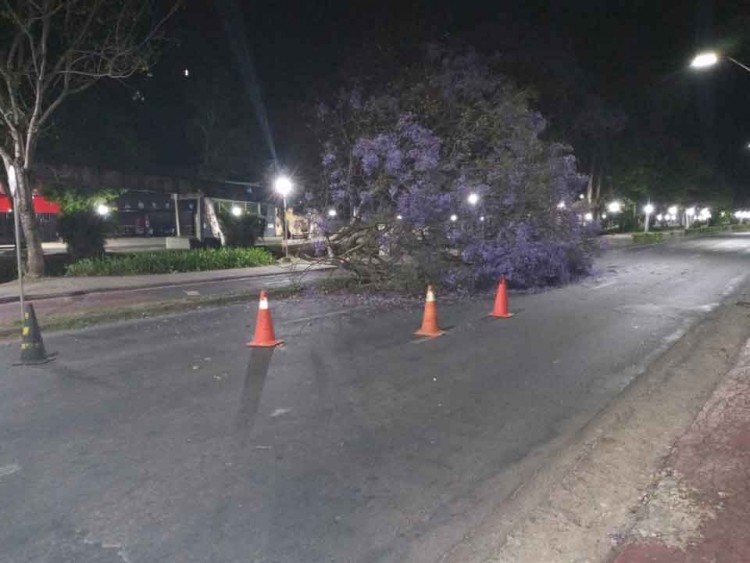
[(399, 164)]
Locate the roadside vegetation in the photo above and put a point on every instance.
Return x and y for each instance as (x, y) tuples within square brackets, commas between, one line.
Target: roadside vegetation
[(169, 261)]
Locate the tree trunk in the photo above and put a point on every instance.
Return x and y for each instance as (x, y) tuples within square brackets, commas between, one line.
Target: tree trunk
[(29, 226)]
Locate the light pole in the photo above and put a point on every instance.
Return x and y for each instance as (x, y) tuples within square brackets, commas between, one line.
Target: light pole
[(473, 200), (711, 58), (648, 209), (283, 187), (13, 185)]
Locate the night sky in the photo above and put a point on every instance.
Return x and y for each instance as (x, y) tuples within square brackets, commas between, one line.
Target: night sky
[(626, 48)]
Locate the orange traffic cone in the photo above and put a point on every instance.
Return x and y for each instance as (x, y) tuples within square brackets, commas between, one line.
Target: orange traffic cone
[(264, 336), (501, 301), (429, 320)]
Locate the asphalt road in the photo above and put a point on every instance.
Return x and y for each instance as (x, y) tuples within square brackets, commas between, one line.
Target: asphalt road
[(167, 440)]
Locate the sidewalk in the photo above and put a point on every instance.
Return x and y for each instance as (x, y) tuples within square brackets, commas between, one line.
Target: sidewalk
[(48, 288), (699, 508)]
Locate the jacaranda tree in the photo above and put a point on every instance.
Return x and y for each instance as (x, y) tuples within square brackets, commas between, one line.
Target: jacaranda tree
[(400, 162)]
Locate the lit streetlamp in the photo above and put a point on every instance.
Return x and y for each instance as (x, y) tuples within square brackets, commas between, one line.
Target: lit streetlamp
[(711, 58), (283, 187), (648, 209), (473, 199), (454, 218), (236, 210), (103, 210), (614, 207), (13, 185), (332, 213)]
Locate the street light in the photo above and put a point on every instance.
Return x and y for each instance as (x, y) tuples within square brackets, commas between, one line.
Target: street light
[(102, 210), (704, 60), (13, 185), (648, 209), (588, 217), (454, 218), (332, 213), (236, 210), (614, 207), (711, 58), (473, 199), (283, 187)]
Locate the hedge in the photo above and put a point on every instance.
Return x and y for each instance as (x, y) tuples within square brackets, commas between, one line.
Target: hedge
[(169, 261)]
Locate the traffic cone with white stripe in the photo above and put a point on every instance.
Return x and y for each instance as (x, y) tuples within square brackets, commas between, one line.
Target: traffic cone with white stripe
[(500, 311), (429, 320), (264, 336)]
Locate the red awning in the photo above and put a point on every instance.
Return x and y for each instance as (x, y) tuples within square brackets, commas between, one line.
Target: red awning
[(41, 205)]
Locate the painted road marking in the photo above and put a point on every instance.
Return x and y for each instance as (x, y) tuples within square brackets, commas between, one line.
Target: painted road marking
[(6, 470), (605, 284)]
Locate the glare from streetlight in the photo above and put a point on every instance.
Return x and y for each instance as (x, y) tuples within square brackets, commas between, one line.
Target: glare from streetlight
[(399, 217), (473, 199), (588, 217), (454, 218), (482, 218), (648, 209), (614, 207), (672, 210), (705, 60), (282, 186), (236, 210), (659, 217), (102, 210), (604, 215), (690, 211), (332, 213), (561, 205)]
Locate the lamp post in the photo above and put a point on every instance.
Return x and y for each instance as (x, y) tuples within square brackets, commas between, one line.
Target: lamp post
[(13, 185), (710, 58), (648, 209), (283, 187)]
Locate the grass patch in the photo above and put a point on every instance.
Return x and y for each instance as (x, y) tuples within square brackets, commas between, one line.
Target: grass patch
[(648, 238), (169, 261), (52, 323)]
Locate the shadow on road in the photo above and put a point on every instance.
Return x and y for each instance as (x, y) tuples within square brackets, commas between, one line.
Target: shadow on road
[(252, 389)]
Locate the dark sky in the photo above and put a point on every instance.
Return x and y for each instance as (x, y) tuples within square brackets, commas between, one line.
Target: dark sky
[(627, 48)]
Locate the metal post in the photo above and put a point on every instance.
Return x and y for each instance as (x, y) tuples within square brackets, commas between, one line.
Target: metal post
[(13, 185), (19, 261), (177, 214), (283, 231)]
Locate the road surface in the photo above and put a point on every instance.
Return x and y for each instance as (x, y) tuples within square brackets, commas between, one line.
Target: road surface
[(167, 440)]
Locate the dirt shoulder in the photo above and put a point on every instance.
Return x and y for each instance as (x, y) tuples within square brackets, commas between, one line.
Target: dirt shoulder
[(585, 503)]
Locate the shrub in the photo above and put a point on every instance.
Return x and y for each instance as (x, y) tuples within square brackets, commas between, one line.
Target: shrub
[(165, 262), (241, 231), (648, 238), (84, 232)]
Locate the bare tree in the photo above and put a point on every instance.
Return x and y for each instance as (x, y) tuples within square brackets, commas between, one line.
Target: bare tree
[(52, 49)]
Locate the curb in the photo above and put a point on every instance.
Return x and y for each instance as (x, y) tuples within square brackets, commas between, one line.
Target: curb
[(157, 285)]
